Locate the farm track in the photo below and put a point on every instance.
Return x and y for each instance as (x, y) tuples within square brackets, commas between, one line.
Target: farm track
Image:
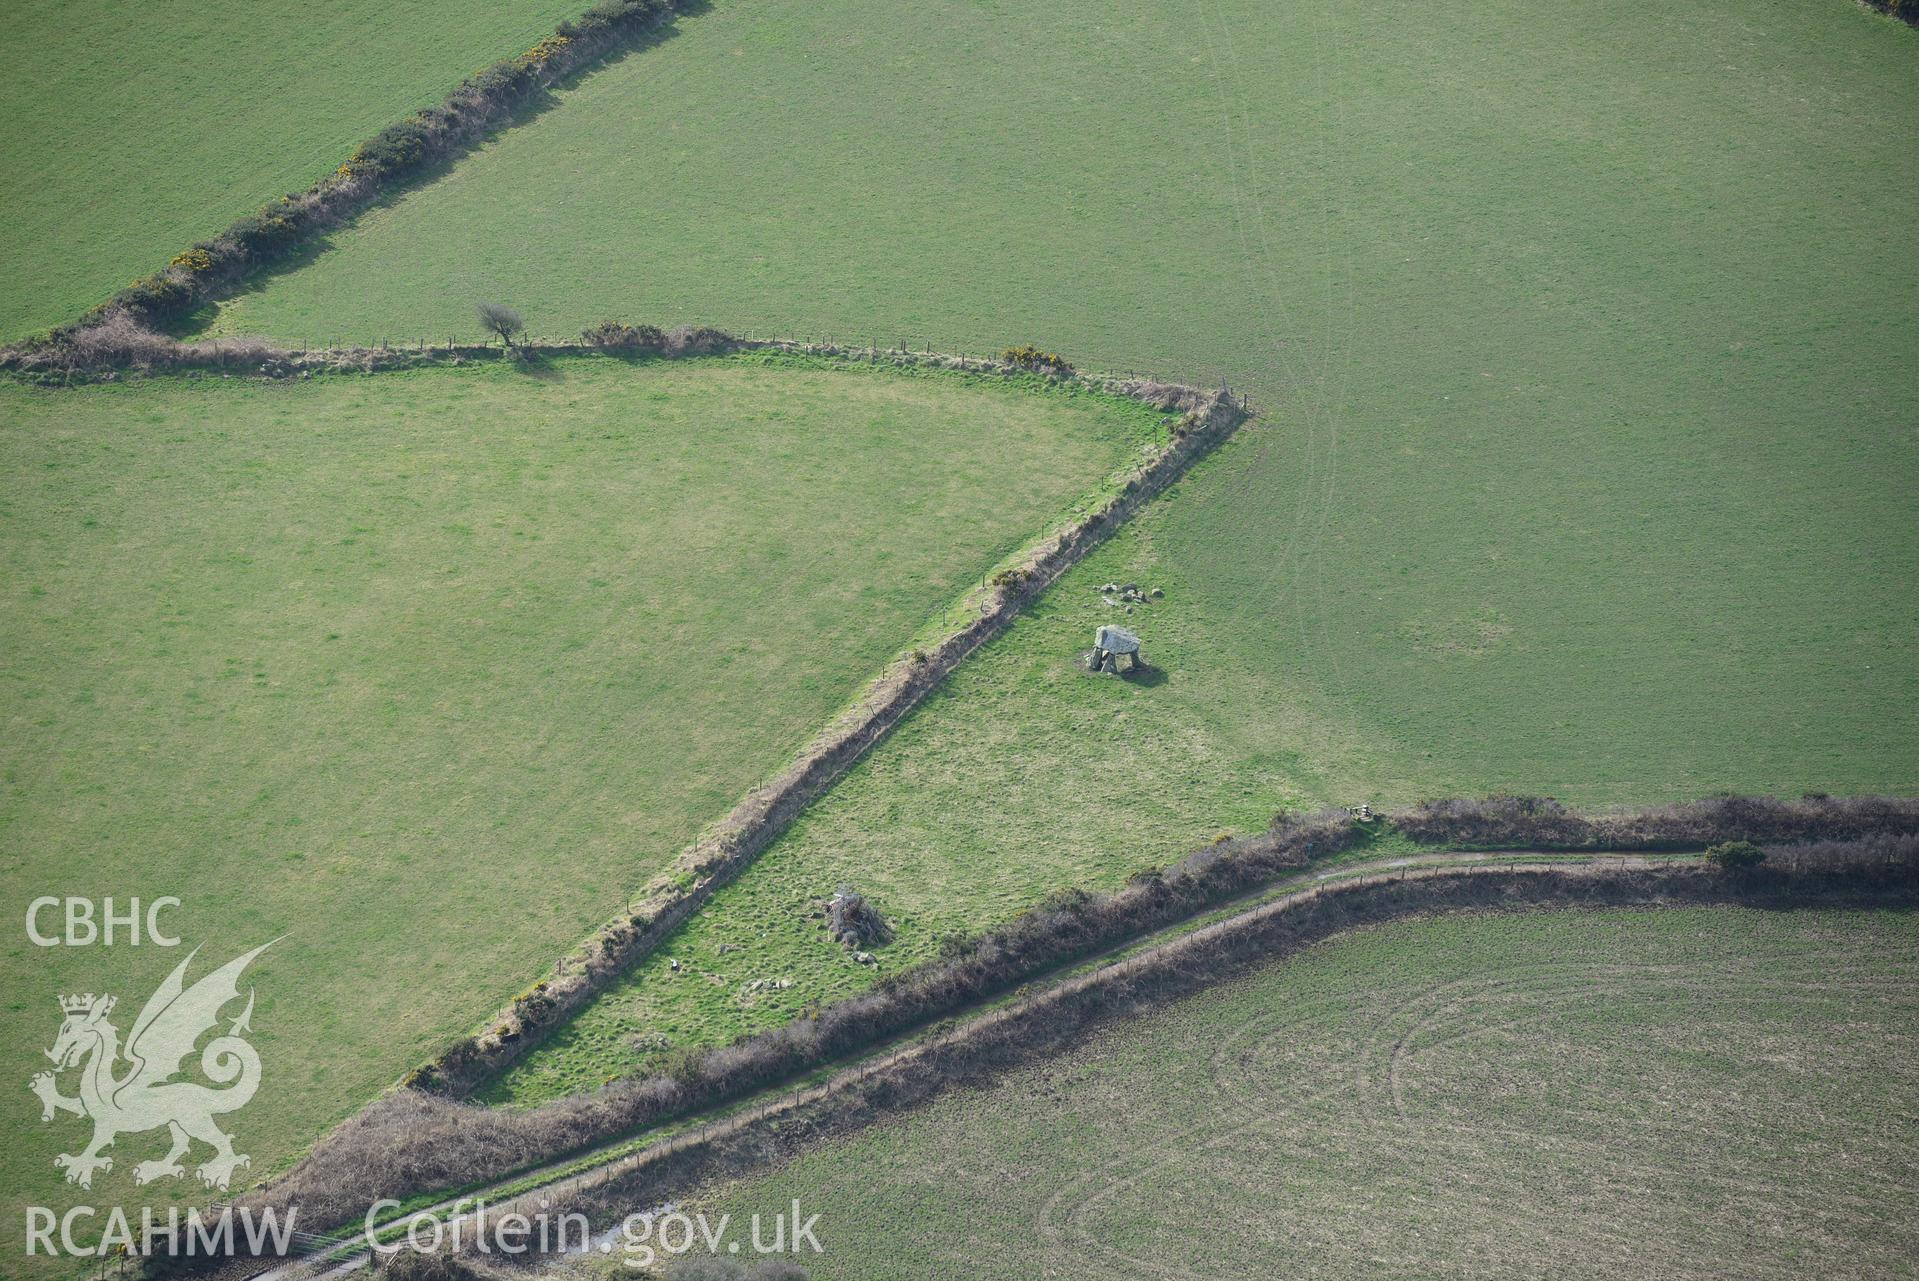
[(526, 1190)]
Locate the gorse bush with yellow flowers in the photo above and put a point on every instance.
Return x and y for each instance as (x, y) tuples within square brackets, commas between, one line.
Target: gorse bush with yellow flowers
[(1031, 357)]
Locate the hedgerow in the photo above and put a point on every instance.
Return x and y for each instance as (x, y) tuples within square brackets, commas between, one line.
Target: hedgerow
[(1031, 357), (1877, 872), (415, 1141), (612, 335), (397, 153), (1542, 822)]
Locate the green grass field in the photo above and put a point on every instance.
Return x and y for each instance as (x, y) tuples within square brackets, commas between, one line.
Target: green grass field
[(427, 671), (1579, 337), (1586, 468), (1677, 1093), (134, 130), (1587, 462)]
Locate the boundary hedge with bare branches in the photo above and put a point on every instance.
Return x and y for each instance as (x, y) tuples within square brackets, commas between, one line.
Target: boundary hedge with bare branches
[(1873, 871), (399, 153), (1542, 822), (413, 1141), (1876, 869), (1870, 872)]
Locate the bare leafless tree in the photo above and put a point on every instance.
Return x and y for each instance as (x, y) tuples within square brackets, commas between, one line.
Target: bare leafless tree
[(497, 318)]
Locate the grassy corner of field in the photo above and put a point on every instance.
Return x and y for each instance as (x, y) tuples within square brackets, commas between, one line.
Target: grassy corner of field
[(424, 672)]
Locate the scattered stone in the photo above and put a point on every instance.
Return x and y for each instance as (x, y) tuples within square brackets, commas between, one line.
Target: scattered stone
[(1129, 594), (866, 958), (854, 922)]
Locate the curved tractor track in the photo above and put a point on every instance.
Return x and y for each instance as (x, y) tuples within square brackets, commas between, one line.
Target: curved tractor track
[(1277, 1094)]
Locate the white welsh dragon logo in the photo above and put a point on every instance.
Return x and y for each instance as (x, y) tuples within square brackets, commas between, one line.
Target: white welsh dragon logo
[(144, 1096)]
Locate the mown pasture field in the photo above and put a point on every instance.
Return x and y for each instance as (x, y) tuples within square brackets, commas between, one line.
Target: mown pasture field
[(1578, 335), (1667, 1093), (135, 130), (1586, 466), (428, 671)]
